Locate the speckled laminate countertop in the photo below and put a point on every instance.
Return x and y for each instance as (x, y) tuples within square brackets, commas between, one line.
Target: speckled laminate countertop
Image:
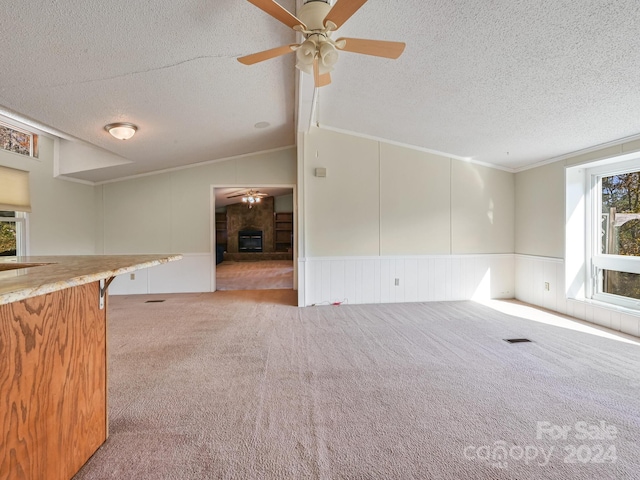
[(60, 272)]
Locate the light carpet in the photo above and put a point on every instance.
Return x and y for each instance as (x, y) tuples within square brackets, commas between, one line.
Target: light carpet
[(242, 385), (262, 275)]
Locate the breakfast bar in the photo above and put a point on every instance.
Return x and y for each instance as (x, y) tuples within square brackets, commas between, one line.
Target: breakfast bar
[(53, 360)]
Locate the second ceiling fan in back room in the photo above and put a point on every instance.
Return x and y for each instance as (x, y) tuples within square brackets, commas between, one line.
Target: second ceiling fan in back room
[(318, 53), (250, 197)]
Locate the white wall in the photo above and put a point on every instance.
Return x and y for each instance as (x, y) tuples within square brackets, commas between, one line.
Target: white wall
[(415, 206), (62, 221), (80, 157), (540, 202), (283, 203), (540, 211), (385, 212), (342, 213), (171, 213), (482, 209)]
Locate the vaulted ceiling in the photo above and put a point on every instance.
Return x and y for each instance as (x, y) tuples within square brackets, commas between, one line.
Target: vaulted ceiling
[(505, 82)]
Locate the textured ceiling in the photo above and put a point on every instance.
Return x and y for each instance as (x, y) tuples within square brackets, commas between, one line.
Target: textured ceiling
[(169, 67), (506, 82)]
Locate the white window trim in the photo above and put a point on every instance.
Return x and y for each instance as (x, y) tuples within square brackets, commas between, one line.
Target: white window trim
[(596, 261), (21, 130), (21, 220)]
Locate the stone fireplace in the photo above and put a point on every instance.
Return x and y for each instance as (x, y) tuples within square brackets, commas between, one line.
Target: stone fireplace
[(241, 219)]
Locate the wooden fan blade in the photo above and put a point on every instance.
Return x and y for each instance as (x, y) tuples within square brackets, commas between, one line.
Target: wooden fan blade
[(342, 11), (325, 80), (316, 72), (266, 55), (278, 12), (320, 80), (377, 48)]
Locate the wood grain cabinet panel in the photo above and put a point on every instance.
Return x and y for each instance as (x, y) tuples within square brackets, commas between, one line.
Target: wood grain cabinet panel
[(53, 385)]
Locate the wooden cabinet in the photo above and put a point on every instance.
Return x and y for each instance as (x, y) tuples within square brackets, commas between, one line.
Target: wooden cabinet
[(221, 229), (283, 232), (53, 383)]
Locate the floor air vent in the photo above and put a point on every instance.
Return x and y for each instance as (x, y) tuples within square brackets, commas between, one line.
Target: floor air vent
[(517, 340), (154, 301)]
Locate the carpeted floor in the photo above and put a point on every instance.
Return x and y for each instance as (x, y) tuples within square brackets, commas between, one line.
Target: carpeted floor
[(242, 385), (262, 275)]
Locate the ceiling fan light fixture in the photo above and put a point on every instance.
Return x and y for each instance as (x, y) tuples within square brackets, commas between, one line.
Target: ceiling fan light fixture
[(121, 130), (316, 20), (250, 197), (328, 54), (303, 67), (306, 52)]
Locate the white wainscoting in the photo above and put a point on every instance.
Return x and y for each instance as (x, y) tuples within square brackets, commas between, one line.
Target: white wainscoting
[(191, 274), (358, 280), (531, 274)]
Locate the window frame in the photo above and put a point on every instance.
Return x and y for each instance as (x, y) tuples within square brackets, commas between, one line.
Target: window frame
[(597, 261), (33, 144), (22, 229)]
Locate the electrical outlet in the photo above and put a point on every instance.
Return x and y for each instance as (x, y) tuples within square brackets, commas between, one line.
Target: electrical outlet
[(397, 282), (546, 286), (132, 276)]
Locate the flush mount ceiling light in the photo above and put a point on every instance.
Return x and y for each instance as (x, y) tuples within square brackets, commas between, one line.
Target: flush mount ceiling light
[(121, 130)]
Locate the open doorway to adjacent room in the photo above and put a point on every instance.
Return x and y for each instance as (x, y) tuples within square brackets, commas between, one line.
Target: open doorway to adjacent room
[(253, 238)]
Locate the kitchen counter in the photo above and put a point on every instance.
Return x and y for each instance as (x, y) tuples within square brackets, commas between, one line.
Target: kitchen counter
[(53, 360), (53, 273)]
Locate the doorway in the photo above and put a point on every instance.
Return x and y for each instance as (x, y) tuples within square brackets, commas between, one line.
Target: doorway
[(254, 237)]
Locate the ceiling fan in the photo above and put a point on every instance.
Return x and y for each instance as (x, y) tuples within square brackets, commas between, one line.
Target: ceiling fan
[(250, 197), (318, 53)]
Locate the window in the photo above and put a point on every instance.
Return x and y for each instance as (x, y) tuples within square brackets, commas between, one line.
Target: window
[(12, 233), (19, 141), (615, 248)]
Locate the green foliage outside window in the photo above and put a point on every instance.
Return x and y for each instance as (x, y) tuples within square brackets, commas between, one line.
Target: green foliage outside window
[(621, 195), (621, 192), (7, 238)]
